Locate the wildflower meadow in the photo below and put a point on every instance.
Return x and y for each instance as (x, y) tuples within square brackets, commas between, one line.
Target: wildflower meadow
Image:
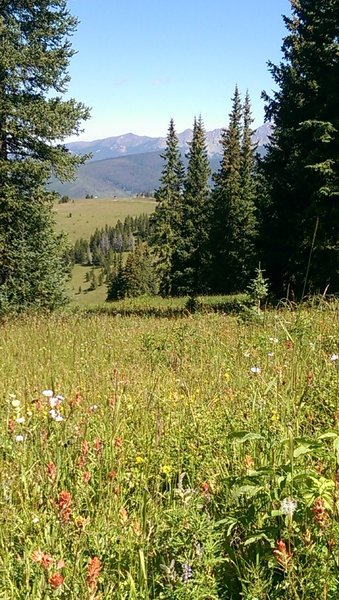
[(194, 457)]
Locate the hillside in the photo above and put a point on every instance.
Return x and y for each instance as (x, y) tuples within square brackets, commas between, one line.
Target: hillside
[(121, 176), (130, 143), (129, 164)]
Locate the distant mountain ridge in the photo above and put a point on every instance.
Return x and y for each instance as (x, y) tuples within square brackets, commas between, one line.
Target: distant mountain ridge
[(129, 143), (129, 164)]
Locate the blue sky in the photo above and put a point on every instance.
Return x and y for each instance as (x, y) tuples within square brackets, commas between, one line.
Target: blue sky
[(141, 62)]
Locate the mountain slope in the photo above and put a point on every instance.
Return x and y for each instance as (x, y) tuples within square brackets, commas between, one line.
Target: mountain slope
[(136, 163), (129, 143), (120, 176)]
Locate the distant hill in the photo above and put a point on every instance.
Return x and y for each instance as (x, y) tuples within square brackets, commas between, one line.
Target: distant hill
[(120, 176), (129, 164), (130, 143)]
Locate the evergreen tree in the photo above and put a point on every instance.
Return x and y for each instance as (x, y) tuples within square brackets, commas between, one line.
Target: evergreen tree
[(115, 282), (249, 192), (167, 215), (301, 249), (234, 224), (190, 255), (136, 277), (35, 53)]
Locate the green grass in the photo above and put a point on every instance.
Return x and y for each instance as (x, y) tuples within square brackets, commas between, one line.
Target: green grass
[(78, 288), (181, 442), (80, 218)]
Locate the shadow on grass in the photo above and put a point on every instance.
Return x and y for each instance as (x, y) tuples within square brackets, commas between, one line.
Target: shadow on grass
[(224, 304)]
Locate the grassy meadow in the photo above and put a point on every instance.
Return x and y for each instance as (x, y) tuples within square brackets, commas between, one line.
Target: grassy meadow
[(80, 218), (79, 289), (191, 457)]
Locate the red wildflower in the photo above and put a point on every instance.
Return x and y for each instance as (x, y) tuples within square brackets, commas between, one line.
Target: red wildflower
[(38, 404), (205, 487), (64, 506), (51, 472), (281, 554), (45, 560), (84, 448), (112, 475), (77, 400), (83, 455), (37, 556), (81, 462), (10, 425), (56, 580), (248, 462), (98, 445), (93, 570), (118, 442), (320, 513), (61, 564), (86, 476)]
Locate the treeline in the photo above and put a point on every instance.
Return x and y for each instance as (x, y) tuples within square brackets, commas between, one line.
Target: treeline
[(282, 211), (105, 242), (201, 240)]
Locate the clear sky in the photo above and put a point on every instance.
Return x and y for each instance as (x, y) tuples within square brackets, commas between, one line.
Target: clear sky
[(141, 62)]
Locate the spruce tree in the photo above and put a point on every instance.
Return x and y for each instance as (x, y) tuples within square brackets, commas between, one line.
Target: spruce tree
[(34, 56), (190, 260), (234, 224), (249, 191), (301, 249), (136, 277), (164, 222)]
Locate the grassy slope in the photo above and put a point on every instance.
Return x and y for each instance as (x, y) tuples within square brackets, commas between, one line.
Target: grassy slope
[(80, 218), (86, 296), (180, 439)]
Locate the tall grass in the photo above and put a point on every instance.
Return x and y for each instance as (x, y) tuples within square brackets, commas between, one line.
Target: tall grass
[(190, 457)]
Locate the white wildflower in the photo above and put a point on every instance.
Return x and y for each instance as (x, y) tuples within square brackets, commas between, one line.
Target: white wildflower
[(19, 438), (255, 370), (16, 403), (47, 393), (288, 506), (55, 415), (334, 357), (20, 420)]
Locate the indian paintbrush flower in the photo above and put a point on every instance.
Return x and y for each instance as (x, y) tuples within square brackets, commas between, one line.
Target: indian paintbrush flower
[(93, 570)]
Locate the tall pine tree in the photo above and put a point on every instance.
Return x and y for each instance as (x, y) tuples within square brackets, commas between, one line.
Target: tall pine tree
[(167, 216), (234, 224), (301, 248), (190, 257), (35, 53)]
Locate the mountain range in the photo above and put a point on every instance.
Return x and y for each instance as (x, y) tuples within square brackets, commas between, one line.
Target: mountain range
[(129, 164)]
